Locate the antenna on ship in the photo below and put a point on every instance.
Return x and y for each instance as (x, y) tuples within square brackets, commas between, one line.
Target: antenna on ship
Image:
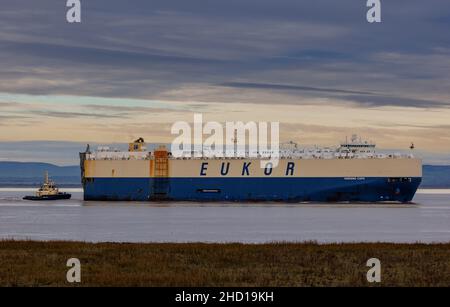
[(235, 143)]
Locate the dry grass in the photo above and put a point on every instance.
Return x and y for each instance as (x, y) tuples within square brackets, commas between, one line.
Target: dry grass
[(25, 263)]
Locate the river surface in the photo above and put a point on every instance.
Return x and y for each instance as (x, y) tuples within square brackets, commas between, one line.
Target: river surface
[(427, 220)]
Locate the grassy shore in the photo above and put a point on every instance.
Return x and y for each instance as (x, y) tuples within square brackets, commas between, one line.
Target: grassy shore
[(26, 263)]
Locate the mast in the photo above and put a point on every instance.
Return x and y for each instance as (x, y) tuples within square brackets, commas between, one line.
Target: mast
[(46, 177)]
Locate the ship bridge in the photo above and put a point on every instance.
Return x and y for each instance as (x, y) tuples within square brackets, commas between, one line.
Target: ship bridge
[(356, 144)]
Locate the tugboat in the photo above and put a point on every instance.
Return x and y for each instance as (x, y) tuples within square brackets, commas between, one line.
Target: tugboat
[(48, 191)]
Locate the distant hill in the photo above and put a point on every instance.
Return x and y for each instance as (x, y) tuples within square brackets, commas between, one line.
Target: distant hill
[(19, 174), (31, 174), (36, 169), (436, 176)]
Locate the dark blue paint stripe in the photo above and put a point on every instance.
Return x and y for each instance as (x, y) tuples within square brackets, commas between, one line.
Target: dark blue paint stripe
[(250, 189)]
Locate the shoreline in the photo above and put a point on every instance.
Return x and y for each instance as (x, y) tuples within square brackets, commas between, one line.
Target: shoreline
[(39, 263), (80, 189)]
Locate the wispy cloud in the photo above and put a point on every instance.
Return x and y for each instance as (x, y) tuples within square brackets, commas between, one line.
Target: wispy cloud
[(153, 48), (370, 99), (57, 114), (288, 87), (234, 59)]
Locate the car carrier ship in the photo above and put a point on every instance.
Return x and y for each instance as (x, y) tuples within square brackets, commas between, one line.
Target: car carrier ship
[(351, 172)]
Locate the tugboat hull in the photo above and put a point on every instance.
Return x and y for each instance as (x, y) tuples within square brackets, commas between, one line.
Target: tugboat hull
[(49, 197)]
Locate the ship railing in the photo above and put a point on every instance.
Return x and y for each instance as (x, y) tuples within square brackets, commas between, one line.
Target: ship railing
[(312, 156), (118, 156), (294, 155)]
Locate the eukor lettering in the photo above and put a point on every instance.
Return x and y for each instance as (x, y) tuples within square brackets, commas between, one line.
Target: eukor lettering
[(268, 169), (203, 169), (290, 169), (225, 172), (245, 169)]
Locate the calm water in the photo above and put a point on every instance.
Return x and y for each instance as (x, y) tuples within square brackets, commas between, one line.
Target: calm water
[(428, 220)]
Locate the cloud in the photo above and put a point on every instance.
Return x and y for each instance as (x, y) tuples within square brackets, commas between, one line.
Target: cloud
[(129, 109), (386, 100), (148, 49), (4, 117), (62, 153), (283, 87), (203, 55), (368, 99), (7, 104), (49, 113)]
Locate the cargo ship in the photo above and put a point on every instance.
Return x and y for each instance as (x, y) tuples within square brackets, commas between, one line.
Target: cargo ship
[(350, 172)]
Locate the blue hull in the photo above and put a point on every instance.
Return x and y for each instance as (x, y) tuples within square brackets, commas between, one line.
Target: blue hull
[(252, 189)]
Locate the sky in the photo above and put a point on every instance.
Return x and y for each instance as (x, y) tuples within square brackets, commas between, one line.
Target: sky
[(132, 69)]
